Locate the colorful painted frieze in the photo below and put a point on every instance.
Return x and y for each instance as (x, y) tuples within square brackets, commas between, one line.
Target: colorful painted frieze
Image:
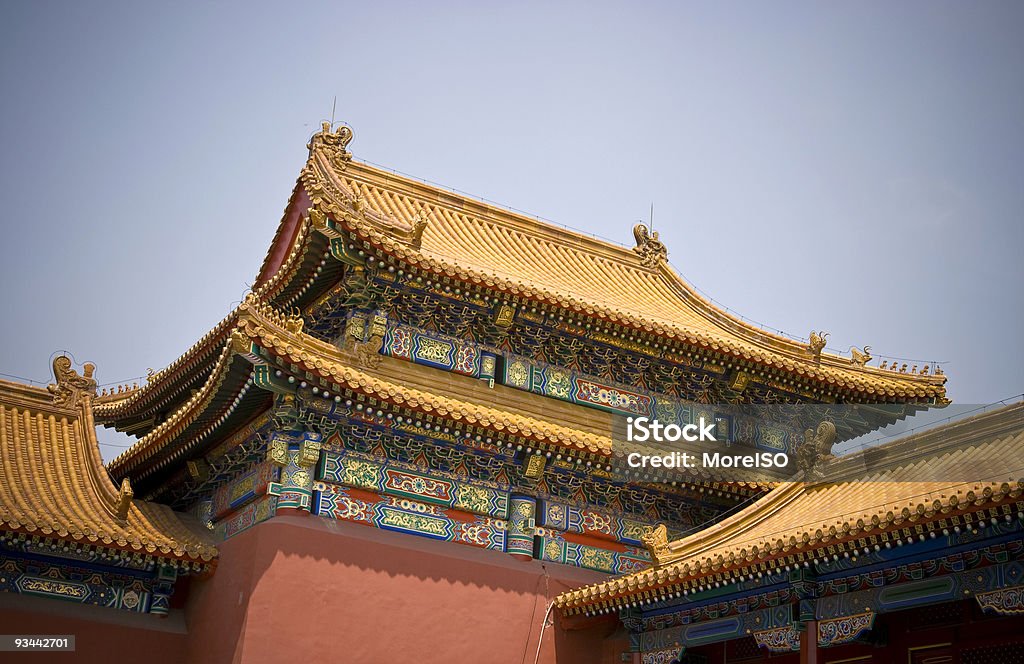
[(595, 523), (442, 352), (82, 585), (392, 478), (553, 546), (694, 634), (778, 640), (260, 510), (561, 383), (242, 489), (663, 656), (1004, 602), (566, 385), (771, 437), (836, 631), (611, 398), (409, 516), (550, 380)]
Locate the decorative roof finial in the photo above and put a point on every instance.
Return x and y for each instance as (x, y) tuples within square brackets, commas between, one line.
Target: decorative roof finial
[(652, 251), (124, 499), (70, 386), (333, 143), (817, 344), (656, 541), (294, 322), (815, 449), (859, 358), (419, 224)]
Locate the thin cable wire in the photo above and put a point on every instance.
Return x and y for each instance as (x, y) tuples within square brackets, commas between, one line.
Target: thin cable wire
[(23, 379), (123, 447)]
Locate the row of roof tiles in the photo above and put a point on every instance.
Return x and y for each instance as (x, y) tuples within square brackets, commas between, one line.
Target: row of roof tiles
[(53, 485)]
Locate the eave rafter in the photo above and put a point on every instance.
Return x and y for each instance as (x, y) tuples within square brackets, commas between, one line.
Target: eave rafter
[(263, 335)]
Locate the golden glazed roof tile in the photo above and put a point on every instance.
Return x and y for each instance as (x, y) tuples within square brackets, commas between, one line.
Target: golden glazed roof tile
[(483, 244), (800, 518), (53, 483)]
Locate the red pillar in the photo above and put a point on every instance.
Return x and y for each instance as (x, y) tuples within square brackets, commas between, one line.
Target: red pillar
[(809, 643)]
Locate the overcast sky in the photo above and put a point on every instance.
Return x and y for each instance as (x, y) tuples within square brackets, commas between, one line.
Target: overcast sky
[(855, 168)]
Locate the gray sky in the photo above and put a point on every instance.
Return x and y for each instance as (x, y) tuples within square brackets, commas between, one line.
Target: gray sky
[(855, 168)]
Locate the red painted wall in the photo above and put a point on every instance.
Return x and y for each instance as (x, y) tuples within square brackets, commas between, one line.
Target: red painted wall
[(102, 635), (307, 589), (310, 589)]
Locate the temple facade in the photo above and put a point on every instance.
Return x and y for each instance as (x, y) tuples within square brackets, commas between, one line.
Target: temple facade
[(400, 447)]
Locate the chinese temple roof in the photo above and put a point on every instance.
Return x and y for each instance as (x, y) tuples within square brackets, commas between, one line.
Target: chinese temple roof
[(54, 488), (449, 234), (435, 231), (796, 521)]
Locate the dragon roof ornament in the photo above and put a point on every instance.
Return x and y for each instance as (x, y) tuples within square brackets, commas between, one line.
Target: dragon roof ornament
[(334, 143), (652, 250), (71, 386)]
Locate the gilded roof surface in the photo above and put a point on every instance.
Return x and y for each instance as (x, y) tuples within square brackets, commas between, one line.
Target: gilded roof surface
[(457, 236), (802, 518), (53, 483)]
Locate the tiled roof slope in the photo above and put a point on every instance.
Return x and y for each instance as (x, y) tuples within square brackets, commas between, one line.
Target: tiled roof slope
[(970, 466), (53, 484), (457, 236)]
